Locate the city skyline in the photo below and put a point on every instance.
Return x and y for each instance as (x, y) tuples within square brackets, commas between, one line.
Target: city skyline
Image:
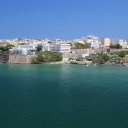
[(65, 19)]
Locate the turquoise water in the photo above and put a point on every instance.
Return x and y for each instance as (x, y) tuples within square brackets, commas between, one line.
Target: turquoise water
[(63, 96)]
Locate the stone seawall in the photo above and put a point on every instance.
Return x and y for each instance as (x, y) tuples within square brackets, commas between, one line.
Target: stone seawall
[(4, 57), (20, 59)]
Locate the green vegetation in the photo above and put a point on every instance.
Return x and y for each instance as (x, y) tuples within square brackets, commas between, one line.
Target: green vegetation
[(46, 56), (80, 59), (122, 53), (101, 58), (80, 46), (71, 44), (49, 42), (115, 46), (39, 48), (6, 48)]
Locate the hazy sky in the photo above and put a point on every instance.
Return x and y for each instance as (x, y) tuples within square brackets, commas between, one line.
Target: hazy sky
[(65, 19)]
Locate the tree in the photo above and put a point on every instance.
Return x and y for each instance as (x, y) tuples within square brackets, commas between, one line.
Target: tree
[(80, 59), (101, 58), (80, 46), (115, 46), (39, 48), (46, 56), (6, 48), (122, 53)]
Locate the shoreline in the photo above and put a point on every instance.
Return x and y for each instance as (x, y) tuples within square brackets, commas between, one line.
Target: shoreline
[(70, 63)]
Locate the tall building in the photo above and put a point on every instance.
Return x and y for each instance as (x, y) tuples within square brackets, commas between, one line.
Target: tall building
[(106, 42)]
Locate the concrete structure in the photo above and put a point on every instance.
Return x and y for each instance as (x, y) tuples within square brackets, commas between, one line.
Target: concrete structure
[(106, 42), (92, 41), (24, 49), (123, 43), (62, 48), (46, 47), (125, 59), (95, 45), (20, 59), (90, 38), (4, 57), (75, 53)]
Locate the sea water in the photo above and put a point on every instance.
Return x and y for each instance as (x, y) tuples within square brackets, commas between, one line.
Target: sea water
[(63, 96)]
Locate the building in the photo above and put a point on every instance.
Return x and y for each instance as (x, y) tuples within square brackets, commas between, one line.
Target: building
[(79, 41), (62, 48), (75, 53), (24, 49), (123, 43), (115, 41), (106, 42), (90, 38), (46, 47), (92, 41), (95, 45)]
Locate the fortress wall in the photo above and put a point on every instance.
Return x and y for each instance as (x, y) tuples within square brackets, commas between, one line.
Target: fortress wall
[(20, 59)]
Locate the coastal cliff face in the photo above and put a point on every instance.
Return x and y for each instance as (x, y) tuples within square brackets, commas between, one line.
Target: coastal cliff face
[(20, 59)]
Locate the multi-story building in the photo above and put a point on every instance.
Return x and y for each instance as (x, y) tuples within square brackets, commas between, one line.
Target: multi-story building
[(90, 38), (106, 42), (93, 41), (24, 49), (46, 47), (95, 45), (62, 48), (123, 43)]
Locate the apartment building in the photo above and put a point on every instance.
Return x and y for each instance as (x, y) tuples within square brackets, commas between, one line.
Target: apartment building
[(106, 42), (62, 48)]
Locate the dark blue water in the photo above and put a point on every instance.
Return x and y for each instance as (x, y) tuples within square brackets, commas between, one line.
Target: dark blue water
[(63, 96)]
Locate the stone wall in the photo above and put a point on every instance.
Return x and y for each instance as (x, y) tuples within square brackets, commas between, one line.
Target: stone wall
[(20, 59), (4, 57)]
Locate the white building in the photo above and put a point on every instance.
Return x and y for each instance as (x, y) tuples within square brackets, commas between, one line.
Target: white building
[(46, 46), (106, 42), (95, 45), (75, 53), (123, 43), (24, 49), (62, 48), (90, 38), (93, 41)]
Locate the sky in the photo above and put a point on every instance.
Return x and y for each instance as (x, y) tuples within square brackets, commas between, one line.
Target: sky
[(63, 19)]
